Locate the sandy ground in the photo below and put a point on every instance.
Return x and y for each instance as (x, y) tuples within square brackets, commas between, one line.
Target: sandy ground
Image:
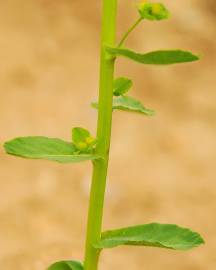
[(162, 168)]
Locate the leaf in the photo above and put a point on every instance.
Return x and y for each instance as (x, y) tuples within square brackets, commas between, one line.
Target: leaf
[(153, 11), (66, 265), (152, 235), (45, 148), (121, 86), (126, 103), (79, 134), (162, 57)]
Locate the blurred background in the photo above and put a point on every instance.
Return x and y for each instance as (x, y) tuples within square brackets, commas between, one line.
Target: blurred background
[(162, 168)]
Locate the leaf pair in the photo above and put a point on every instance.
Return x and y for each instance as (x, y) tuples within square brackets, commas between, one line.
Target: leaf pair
[(126, 103), (54, 149)]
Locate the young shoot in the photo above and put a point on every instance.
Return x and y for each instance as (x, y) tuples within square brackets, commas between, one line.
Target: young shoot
[(83, 146)]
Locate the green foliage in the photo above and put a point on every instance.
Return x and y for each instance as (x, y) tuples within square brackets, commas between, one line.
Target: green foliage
[(152, 235), (162, 57), (129, 104), (121, 86), (153, 11), (46, 148), (66, 265), (83, 140), (126, 103)]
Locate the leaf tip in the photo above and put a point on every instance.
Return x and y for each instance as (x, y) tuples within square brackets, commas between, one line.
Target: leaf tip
[(6, 146), (200, 239), (196, 57)]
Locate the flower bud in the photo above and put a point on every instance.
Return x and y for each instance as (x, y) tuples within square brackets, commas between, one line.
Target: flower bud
[(90, 140), (81, 146), (153, 11)]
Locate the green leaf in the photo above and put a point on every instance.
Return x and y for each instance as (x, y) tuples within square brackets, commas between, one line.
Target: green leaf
[(152, 235), (66, 265), (79, 134), (45, 148), (162, 57), (121, 86), (153, 11), (126, 103)]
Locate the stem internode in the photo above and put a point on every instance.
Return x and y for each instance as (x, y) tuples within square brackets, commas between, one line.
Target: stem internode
[(100, 167)]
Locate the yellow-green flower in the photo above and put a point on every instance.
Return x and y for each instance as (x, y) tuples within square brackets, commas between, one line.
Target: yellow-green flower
[(82, 146), (153, 11), (90, 140)]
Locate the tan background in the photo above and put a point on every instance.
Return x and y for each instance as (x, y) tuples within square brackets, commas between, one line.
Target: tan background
[(162, 168)]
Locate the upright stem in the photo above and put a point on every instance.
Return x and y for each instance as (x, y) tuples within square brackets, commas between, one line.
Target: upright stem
[(103, 135)]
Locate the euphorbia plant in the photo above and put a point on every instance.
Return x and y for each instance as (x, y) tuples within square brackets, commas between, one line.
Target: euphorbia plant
[(84, 146)]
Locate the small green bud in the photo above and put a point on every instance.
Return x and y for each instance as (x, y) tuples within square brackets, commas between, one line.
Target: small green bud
[(81, 146), (153, 11), (90, 140)]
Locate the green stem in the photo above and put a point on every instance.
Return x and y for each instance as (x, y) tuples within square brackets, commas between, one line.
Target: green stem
[(129, 31), (103, 135)]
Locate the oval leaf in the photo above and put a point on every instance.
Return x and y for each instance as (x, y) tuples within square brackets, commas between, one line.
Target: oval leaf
[(45, 148), (162, 57), (66, 265), (126, 103), (121, 86), (152, 235)]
